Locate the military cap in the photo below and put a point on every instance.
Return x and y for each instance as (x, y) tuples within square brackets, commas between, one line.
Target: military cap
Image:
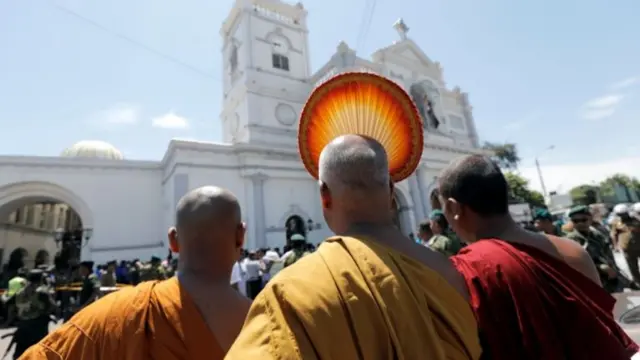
[(542, 214), (87, 264), (155, 259), (35, 275), (579, 210), (297, 237), (435, 214)]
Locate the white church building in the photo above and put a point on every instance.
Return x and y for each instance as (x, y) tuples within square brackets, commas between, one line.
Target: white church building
[(125, 206)]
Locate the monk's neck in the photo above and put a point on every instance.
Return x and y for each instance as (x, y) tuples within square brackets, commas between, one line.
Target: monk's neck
[(367, 228), (498, 228), (201, 283)]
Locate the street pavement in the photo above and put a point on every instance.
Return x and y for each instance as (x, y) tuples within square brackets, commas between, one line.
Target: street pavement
[(4, 343), (622, 264)]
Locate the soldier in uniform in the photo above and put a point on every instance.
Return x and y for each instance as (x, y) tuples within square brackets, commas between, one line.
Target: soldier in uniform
[(543, 222), (298, 249), (108, 276), (596, 245), (90, 290), (153, 270), (34, 305), (618, 225), (629, 243), (16, 284), (443, 240)]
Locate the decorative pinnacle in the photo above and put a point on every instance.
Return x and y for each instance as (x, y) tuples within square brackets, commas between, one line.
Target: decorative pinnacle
[(401, 28)]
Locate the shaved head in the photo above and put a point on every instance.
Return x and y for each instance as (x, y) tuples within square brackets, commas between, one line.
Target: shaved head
[(209, 232), (355, 185), (476, 182), (354, 162), (203, 204)]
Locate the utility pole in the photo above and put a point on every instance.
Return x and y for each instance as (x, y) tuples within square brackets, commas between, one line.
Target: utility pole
[(544, 188)]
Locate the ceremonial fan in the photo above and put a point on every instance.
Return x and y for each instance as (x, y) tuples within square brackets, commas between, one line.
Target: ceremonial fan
[(363, 104)]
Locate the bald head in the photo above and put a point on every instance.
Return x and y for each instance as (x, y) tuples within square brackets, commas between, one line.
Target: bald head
[(354, 162), (204, 205), (477, 182)]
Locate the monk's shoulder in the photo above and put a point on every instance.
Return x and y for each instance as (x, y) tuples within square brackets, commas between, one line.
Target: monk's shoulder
[(111, 314), (575, 256), (308, 268), (304, 283)]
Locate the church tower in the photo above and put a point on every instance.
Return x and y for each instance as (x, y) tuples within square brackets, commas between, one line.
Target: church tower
[(265, 70)]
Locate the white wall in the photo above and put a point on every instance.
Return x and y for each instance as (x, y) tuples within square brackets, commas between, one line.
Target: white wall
[(124, 198)]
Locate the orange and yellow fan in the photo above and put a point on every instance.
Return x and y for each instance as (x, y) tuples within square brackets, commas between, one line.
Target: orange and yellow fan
[(362, 104)]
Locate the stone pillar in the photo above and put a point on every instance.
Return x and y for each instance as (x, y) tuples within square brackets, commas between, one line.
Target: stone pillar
[(260, 231), (416, 199), (423, 191)]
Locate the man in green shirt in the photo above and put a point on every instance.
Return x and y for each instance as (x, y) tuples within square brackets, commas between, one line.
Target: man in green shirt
[(596, 245), (443, 239), (543, 222)]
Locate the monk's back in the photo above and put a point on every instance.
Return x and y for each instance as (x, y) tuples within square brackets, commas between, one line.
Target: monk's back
[(529, 304), (154, 320), (354, 299)]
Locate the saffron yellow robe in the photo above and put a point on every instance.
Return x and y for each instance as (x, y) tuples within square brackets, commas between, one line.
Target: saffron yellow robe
[(356, 299), (154, 320)]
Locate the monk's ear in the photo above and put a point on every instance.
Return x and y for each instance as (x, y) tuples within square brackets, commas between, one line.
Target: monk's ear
[(242, 230), (325, 195), (173, 240), (453, 208)]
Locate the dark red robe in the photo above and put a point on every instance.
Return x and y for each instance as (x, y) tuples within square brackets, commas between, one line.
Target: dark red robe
[(530, 305)]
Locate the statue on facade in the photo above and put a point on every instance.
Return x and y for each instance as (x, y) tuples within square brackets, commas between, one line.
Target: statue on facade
[(425, 107), (295, 225), (429, 115)]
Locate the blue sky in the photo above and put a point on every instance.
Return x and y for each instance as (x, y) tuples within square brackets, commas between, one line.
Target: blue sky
[(539, 73)]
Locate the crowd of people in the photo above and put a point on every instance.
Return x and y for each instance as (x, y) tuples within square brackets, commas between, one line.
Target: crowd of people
[(474, 285)]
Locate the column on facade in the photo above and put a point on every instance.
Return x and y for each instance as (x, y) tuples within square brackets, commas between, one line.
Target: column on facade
[(423, 187), (414, 191), (259, 223)]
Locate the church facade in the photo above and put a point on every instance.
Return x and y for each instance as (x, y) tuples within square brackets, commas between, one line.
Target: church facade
[(126, 206)]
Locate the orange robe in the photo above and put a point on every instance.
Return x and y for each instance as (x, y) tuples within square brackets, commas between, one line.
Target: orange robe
[(154, 320), (356, 299)]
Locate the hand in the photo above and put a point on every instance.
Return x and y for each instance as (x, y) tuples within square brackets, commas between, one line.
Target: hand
[(611, 272)]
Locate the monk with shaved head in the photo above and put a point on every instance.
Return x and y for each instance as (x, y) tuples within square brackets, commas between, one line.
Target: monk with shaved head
[(195, 315), (535, 296), (369, 292)]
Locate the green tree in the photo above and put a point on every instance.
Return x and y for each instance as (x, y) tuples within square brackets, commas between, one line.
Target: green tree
[(584, 194), (505, 155), (630, 184), (520, 191)]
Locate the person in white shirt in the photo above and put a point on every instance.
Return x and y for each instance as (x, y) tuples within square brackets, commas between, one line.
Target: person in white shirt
[(236, 277), (253, 278), (269, 259)]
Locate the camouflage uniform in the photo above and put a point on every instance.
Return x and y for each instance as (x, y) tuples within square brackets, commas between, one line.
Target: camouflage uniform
[(629, 243), (151, 272), (90, 287), (447, 244), (34, 305), (295, 256), (596, 245)]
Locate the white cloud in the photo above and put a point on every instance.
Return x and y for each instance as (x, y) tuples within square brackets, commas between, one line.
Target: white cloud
[(601, 107), (562, 178), (170, 121), (623, 84), (120, 114), (604, 102)]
